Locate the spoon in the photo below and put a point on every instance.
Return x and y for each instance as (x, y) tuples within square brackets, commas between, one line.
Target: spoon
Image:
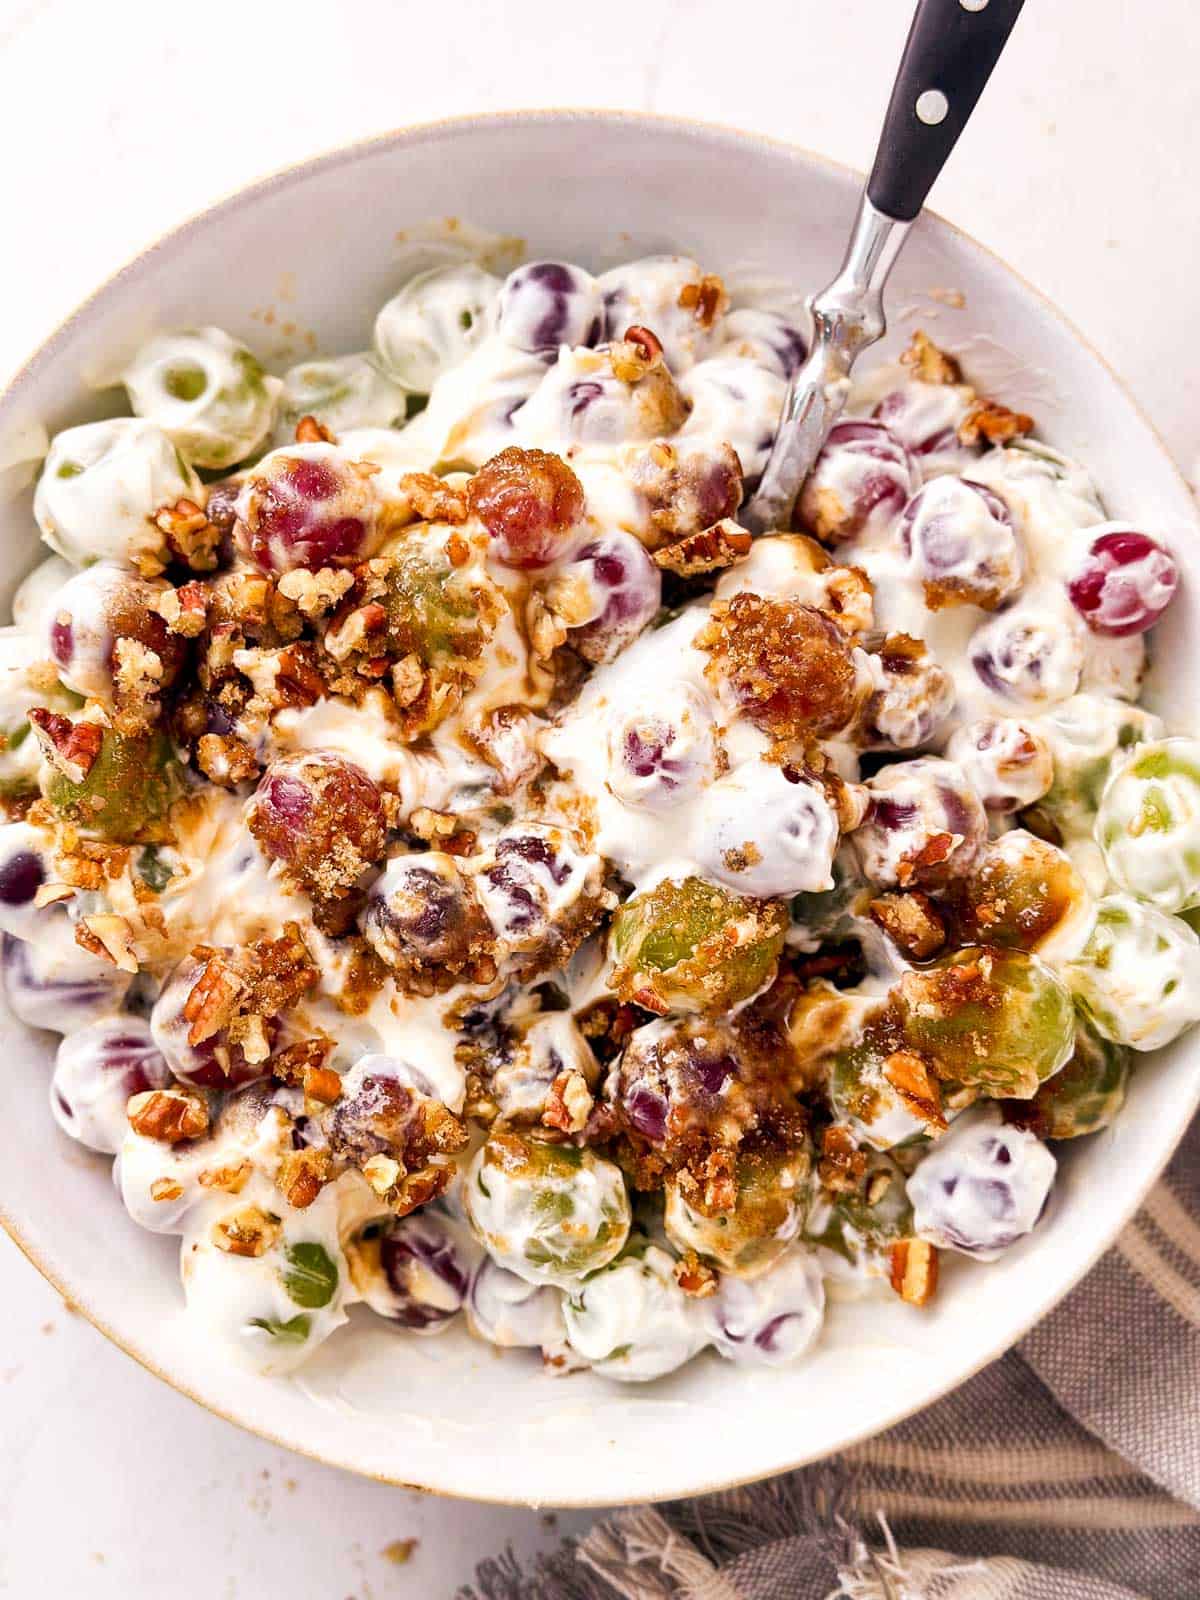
[(951, 49)]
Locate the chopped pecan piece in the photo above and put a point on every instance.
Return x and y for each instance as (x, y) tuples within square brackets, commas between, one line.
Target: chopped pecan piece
[(914, 1273), (315, 593), (694, 1278), (70, 747), (711, 550), (930, 364), (190, 535), (302, 1175), (231, 1178), (434, 500), (310, 431), (706, 300), (163, 1189), (226, 760), (110, 937), (171, 1115), (989, 420), (568, 1103), (842, 1163), (322, 1084), (911, 921), (184, 610), (248, 1232), (291, 1065), (912, 1080)]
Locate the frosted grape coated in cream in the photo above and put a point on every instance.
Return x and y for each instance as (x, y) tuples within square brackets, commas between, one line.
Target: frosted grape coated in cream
[(475, 882)]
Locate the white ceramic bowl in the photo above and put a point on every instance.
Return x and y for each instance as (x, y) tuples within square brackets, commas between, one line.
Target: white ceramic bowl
[(316, 250)]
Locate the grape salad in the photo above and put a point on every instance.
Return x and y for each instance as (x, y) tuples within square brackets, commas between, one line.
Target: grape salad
[(476, 883)]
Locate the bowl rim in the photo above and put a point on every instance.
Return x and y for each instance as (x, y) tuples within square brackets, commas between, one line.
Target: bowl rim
[(286, 176)]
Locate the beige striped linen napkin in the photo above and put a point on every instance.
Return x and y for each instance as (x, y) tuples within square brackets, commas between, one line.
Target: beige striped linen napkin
[(1068, 1470)]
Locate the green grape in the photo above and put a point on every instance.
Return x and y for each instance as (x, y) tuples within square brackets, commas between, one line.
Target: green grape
[(548, 1212), (861, 1224), (1022, 894), (346, 393), (999, 1021), (765, 1217), (863, 1095), (1138, 977), (207, 392), (689, 946), (128, 792), (1148, 824), (1084, 1097), (1085, 733)]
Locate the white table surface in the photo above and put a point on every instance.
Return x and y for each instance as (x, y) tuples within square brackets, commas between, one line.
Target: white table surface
[(119, 120)]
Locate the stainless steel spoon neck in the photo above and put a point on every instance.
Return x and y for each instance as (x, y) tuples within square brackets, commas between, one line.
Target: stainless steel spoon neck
[(849, 313), (846, 318)]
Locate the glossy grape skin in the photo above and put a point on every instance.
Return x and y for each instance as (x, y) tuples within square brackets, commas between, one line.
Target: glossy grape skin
[(1138, 977), (924, 825), (127, 795), (1148, 823), (93, 613), (999, 1021), (861, 1096), (550, 1213), (631, 1321), (97, 1069), (689, 946), (435, 320), (1007, 762), (621, 588), (101, 486), (772, 1195), (770, 1320), (308, 505), (1084, 1097), (54, 984), (961, 543), (862, 478), (764, 830), (983, 1187), (206, 391), (209, 1063), (1022, 894), (1124, 583), (416, 1271), (530, 502), (547, 303)]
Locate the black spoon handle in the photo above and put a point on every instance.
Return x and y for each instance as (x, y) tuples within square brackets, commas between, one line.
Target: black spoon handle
[(952, 47)]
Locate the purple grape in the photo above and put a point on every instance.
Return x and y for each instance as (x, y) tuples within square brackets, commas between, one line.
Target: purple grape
[(307, 505), (1028, 656), (1125, 583), (661, 754), (623, 589), (54, 984), (961, 543), (547, 303), (770, 1319), (97, 1070), (924, 825), (983, 1186), (418, 1270), (862, 478)]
